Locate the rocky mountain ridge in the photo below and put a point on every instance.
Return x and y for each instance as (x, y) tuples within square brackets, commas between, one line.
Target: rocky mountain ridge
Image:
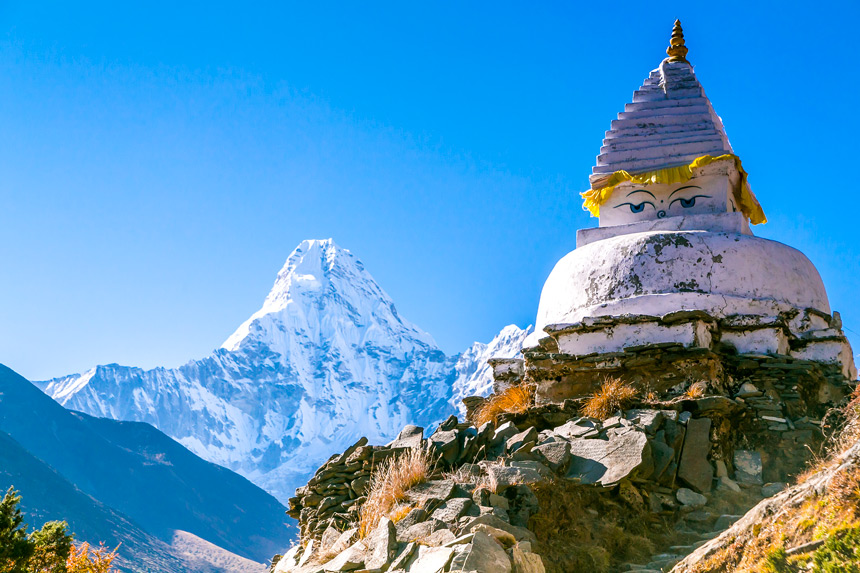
[(325, 360)]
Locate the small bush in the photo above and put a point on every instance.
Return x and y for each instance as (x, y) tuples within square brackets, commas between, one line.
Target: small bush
[(776, 561), (389, 484), (514, 400), (840, 553), (613, 395), (85, 559)]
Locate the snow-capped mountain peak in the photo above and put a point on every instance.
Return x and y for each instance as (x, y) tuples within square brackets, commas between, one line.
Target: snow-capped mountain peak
[(327, 359), (321, 279)]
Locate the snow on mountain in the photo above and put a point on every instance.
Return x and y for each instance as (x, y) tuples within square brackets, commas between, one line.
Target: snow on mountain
[(326, 360), (474, 374)]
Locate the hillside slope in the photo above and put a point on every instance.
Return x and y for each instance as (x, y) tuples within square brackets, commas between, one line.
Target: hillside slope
[(137, 470), (48, 496)]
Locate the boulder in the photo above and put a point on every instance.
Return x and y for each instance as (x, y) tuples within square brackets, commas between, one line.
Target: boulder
[(556, 455), (451, 510), (420, 531), (409, 437), (343, 541), (663, 456), (439, 538), (648, 420), (526, 561), (483, 554), (690, 498), (381, 545), (502, 433), (504, 538), (431, 559), (403, 556), (748, 467), (348, 559), (608, 461), (446, 444), (575, 428), (694, 468), (517, 441), (417, 515), (504, 477), (519, 533), (442, 489)]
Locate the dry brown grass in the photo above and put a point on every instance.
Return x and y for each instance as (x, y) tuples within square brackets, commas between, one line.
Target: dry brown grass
[(514, 400), (389, 484), (612, 396), (696, 390)]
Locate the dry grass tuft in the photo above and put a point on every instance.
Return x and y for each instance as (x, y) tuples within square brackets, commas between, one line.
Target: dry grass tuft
[(389, 484), (614, 395), (696, 390), (515, 399)]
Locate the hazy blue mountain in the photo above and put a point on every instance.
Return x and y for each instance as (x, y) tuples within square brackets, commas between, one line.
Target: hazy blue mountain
[(138, 471)]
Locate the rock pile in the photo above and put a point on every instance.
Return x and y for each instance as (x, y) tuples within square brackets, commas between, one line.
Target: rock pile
[(473, 512)]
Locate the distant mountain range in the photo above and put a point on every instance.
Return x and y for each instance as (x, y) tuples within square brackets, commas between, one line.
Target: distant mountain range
[(326, 360), (127, 483)]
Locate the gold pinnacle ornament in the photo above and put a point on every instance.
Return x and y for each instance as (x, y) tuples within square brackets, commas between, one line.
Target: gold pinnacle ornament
[(677, 51)]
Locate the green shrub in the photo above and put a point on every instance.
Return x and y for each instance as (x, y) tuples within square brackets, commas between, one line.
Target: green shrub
[(840, 553)]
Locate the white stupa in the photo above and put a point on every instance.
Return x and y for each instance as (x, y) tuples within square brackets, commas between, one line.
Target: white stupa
[(675, 209)]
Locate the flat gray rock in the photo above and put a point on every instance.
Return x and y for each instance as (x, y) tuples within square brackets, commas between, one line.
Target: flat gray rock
[(431, 559), (484, 554), (748, 467), (452, 510), (409, 437), (690, 498), (441, 489), (519, 533), (381, 545), (608, 461), (694, 469), (504, 477), (349, 559), (555, 455), (517, 441)]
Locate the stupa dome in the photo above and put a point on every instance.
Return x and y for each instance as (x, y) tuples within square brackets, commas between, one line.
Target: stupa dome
[(674, 209), (658, 272)]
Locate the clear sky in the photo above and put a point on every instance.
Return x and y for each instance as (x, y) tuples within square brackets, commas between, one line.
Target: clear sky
[(158, 161)]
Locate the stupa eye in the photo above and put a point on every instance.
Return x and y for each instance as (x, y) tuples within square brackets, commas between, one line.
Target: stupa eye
[(687, 202), (636, 208)]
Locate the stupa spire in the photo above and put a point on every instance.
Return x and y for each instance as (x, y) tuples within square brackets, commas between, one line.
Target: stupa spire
[(677, 51)]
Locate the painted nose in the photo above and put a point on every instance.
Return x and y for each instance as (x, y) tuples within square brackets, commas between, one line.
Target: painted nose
[(661, 214)]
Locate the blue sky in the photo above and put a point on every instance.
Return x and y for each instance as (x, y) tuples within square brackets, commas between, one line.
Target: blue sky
[(159, 162)]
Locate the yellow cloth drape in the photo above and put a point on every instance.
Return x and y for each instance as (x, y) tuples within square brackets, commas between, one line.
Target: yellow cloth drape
[(748, 204)]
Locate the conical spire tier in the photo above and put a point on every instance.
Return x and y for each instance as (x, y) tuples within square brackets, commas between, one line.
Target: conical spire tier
[(670, 122), (677, 50)]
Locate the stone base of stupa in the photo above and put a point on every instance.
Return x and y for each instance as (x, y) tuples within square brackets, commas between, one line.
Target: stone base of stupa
[(769, 380)]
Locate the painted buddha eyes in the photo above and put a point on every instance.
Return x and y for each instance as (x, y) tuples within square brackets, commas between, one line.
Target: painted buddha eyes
[(687, 202), (637, 208)]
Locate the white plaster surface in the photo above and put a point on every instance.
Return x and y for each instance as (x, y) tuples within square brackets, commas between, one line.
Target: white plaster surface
[(830, 352), (758, 341), (717, 223), (617, 337), (659, 272)]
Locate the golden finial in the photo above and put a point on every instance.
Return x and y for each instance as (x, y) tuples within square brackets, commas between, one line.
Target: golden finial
[(677, 51)]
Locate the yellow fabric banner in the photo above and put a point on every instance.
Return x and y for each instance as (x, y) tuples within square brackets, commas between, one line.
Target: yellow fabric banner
[(749, 205)]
